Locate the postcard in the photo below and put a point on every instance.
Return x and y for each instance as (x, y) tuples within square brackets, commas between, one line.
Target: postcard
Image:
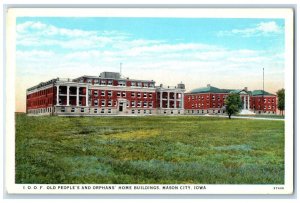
[(149, 101)]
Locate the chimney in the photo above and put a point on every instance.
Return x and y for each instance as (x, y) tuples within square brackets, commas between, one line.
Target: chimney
[(246, 89), (208, 85)]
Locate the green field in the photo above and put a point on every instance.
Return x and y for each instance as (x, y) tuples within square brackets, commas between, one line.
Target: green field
[(150, 149)]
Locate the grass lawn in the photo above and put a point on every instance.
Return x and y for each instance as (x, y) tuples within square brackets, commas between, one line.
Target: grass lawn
[(152, 149)]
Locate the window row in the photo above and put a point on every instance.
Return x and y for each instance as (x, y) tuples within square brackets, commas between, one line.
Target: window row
[(123, 94), (39, 102), (37, 111), (40, 93), (119, 83), (206, 111), (104, 103), (206, 97)]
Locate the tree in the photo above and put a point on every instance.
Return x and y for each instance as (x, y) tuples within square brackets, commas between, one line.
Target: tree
[(281, 94), (233, 104)]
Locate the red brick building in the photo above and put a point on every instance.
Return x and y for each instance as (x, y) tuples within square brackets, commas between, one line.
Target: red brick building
[(104, 94), (211, 100)]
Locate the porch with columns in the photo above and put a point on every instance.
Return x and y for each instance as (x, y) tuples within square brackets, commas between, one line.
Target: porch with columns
[(59, 95)]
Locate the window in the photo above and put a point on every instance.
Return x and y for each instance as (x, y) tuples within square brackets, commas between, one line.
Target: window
[(145, 104), (96, 102), (139, 104), (150, 112), (118, 94), (165, 112), (96, 81), (133, 94), (150, 95), (109, 111), (172, 112), (102, 102), (202, 111), (133, 104), (62, 109), (145, 95), (145, 111), (132, 111), (192, 111), (89, 80), (109, 82), (109, 103), (95, 110), (150, 104), (139, 95), (121, 83), (133, 84), (102, 110), (139, 84), (151, 84), (115, 103), (109, 93), (139, 111), (103, 82), (103, 93), (123, 94), (145, 84)]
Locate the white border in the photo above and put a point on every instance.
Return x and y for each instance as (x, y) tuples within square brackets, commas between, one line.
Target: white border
[(287, 14)]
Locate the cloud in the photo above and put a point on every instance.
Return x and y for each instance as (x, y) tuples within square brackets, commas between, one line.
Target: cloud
[(260, 29), (45, 51), (37, 34)]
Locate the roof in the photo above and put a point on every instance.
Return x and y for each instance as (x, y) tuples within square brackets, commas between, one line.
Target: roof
[(260, 93), (211, 89), (207, 89)]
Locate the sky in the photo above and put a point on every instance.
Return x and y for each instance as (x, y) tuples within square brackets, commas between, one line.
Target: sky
[(222, 52)]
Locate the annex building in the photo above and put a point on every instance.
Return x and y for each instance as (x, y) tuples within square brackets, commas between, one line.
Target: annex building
[(211, 100), (106, 94)]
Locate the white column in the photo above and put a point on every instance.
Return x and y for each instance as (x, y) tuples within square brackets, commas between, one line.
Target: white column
[(161, 99), (68, 95), (244, 102), (57, 95), (77, 96), (168, 100), (248, 101), (175, 99), (87, 97)]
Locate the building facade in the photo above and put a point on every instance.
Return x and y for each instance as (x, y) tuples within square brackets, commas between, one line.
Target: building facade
[(211, 100), (106, 94)]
